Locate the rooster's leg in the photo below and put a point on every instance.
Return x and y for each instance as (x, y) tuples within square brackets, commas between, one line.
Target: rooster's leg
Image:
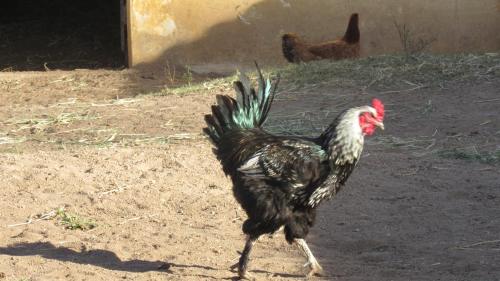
[(313, 264), (243, 264)]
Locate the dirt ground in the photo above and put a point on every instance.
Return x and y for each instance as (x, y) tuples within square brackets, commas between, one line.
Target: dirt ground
[(422, 204)]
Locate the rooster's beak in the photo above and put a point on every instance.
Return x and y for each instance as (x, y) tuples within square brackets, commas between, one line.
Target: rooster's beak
[(380, 125)]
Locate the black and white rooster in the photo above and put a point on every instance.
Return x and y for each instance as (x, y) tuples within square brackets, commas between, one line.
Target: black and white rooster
[(280, 180)]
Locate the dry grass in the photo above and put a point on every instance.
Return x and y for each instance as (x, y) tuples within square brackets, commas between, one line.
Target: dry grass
[(382, 74), (88, 123), (472, 154), (190, 87), (388, 74), (391, 74), (42, 123), (68, 220), (11, 140)]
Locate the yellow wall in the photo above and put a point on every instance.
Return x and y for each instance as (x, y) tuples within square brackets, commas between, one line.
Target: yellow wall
[(217, 35)]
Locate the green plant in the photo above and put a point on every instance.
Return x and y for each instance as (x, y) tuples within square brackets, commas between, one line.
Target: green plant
[(170, 73), (409, 41), (72, 221), (188, 75)]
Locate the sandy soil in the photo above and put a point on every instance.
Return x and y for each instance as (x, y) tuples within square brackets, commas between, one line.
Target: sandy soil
[(138, 166)]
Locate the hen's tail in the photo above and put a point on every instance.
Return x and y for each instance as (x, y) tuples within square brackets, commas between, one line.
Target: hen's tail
[(351, 35), (289, 42), (249, 109)]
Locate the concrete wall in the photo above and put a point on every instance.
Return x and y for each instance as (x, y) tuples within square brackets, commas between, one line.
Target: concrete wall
[(217, 35)]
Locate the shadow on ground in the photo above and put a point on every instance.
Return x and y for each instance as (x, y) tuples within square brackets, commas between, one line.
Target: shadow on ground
[(100, 258)]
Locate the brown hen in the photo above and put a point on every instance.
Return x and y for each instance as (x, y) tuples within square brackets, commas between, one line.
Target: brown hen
[(297, 50)]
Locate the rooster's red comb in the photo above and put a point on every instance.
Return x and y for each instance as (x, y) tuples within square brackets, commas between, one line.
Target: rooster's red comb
[(379, 107)]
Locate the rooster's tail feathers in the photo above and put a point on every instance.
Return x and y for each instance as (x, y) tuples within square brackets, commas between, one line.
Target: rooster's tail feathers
[(288, 45), (248, 111), (352, 35)]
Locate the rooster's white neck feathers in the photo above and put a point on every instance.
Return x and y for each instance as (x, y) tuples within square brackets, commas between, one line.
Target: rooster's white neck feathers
[(344, 140), (346, 144)]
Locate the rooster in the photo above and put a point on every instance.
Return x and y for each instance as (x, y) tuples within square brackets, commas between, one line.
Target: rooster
[(297, 50), (280, 180)]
